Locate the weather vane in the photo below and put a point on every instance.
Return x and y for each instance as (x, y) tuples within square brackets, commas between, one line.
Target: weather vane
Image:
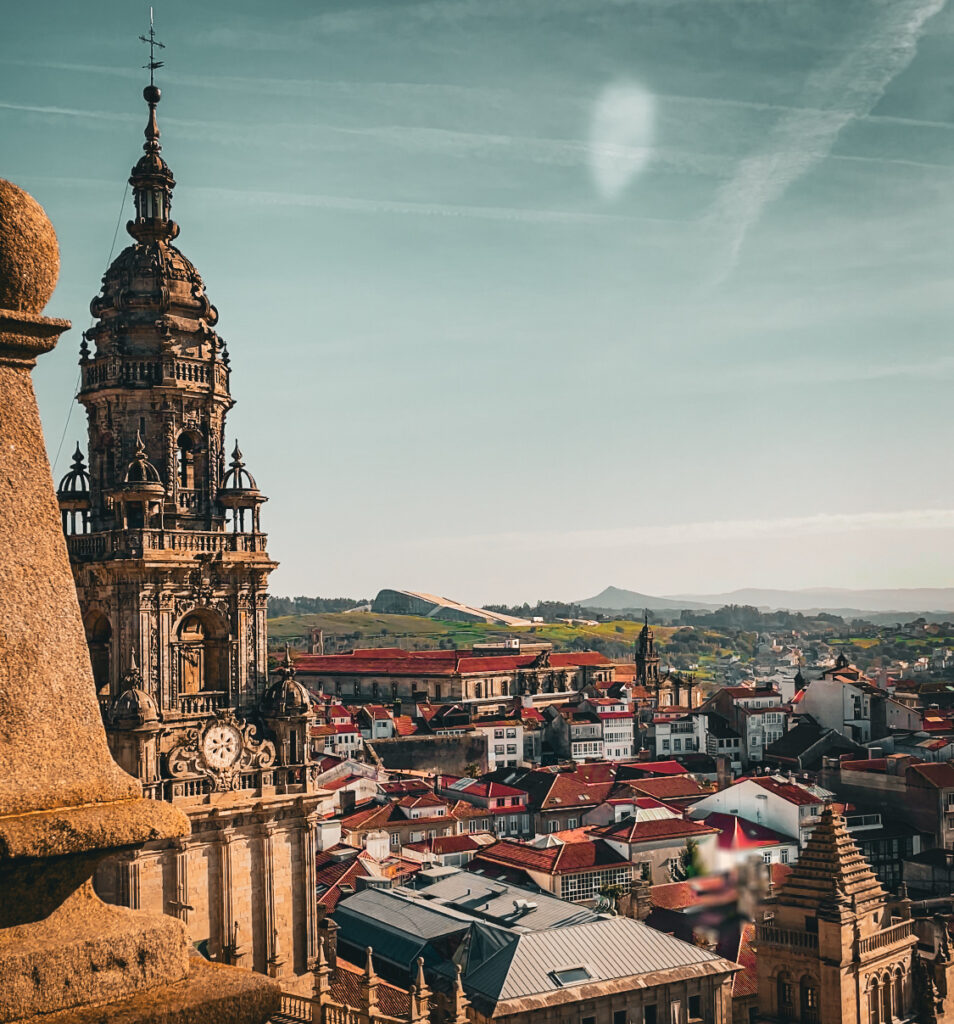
[(151, 40)]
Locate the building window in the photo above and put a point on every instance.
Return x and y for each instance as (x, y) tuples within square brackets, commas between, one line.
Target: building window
[(571, 822), (649, 1014), (809, 1000), (786, 996), (619, 1017), (587, 1020), (783, 856), (551, 826), (695, 1007)]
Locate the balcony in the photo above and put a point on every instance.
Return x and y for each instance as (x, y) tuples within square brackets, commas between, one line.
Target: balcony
[(769, 935), (896, 933), (204, 703), (90, 547)]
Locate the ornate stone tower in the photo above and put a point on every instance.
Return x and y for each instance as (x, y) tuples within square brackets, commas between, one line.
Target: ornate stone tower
[(170, 563), (647, 661), (171, 569), (833, 948)]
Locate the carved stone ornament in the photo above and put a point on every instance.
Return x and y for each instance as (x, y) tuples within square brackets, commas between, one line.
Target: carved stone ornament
[(222, 750)]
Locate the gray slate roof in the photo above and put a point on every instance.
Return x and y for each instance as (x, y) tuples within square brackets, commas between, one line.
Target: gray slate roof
[(609, 948), (494, 901)]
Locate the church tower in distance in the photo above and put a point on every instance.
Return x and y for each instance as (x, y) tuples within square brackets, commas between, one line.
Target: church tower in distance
[(647, 660), (171, 570)]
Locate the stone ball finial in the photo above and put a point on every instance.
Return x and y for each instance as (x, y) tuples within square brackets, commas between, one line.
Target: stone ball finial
[(29, 253)]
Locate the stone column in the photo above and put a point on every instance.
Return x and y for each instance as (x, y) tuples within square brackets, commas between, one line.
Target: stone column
[(272, 944), (308, 858)]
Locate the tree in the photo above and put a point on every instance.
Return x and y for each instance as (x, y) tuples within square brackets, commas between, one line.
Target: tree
[(689, 864), (472, 770)]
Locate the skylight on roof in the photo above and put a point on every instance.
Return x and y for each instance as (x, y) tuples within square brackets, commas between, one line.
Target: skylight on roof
[(570, 976)]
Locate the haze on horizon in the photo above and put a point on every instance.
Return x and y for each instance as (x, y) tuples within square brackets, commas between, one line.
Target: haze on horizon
[(529, 297)]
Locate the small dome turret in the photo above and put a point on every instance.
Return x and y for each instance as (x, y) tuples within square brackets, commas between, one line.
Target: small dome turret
[(73, 496), (238, 479), (133, 708), (240, 493), (287, 697)]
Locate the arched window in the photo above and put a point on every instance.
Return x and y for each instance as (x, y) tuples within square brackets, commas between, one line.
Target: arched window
[(99, 633), (203, 662), (186, 462), (899, 993), (809, 1000), (874, 1002), (785, 993), (886, 998)]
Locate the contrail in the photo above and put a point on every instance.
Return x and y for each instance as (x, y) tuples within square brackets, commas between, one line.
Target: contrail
[(822, 523), (803, 137)]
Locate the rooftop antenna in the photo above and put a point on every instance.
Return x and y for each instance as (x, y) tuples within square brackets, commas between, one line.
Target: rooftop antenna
[(152, 42)]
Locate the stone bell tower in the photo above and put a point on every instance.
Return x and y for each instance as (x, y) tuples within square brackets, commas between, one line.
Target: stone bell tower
[(170, 563), (647, 660), (171, 569)]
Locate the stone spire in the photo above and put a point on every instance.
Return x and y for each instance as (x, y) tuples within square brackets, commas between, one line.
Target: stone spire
[(369, 986), (152, 183), (831, 874)]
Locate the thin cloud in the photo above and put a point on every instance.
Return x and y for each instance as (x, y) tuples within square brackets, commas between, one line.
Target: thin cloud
[(824, 523), (833, 98)]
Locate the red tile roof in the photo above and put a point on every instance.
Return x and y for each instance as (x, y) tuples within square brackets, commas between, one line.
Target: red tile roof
[(740, 834), (676, 787), (561, 859), (669, 767), (632, 830), (707, 890), (394, 661), (746, 982), (786, 790), (938, 774), (447, 844), (477, 787), (346, 989)]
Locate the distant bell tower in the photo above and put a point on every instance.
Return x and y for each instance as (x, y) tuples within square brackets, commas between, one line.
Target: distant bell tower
[(169, 559), (647, 661)]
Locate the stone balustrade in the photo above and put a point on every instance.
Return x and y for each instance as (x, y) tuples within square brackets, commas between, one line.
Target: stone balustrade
[(895, 933)]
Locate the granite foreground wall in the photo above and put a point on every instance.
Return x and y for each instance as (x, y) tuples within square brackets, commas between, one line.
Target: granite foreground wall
[(64, 803)]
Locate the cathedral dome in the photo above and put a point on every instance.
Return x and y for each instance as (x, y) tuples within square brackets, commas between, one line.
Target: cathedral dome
[(134, 708)]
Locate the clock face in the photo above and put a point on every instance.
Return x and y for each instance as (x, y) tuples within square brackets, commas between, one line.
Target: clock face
[(221, 745)]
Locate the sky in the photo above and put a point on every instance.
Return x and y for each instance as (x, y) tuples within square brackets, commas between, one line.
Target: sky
[(526, 298)]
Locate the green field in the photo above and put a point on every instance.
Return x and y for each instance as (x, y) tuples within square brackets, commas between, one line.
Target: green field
[(367, 629)]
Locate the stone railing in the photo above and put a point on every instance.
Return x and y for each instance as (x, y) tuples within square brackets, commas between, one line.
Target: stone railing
[(200, 703), (769, 935), (895, 933), (95, 546), (302, 1008), (128, 371)]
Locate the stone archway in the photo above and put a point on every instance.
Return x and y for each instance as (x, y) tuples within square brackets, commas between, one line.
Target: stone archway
[(99, 635)]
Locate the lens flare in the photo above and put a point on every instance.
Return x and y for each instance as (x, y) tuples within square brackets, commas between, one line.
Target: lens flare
[(621, 137)]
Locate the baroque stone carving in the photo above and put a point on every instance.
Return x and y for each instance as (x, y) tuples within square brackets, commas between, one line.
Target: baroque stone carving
[(222, 750)]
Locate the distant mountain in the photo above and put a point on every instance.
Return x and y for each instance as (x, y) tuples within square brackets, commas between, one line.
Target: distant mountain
[(614, 599), (849, 603), (915, 599)]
